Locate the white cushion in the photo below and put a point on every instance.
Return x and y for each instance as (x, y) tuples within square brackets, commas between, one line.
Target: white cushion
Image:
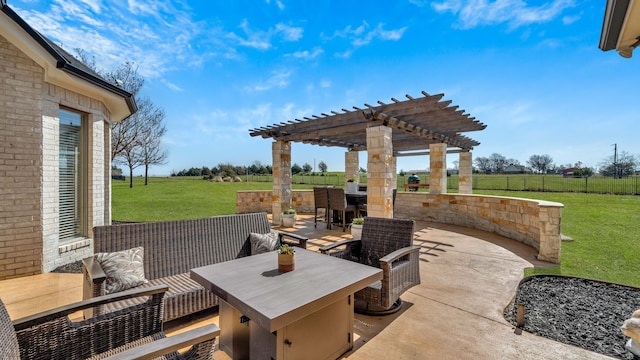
[(124, 269)]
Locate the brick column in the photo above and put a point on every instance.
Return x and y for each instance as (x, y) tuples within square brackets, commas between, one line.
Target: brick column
[(550, 218), (281, 195), (465, 170), (380, 172), (438, 168), (351, 166)]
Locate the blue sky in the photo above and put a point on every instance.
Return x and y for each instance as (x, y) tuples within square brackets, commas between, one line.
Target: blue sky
[(530, 70)]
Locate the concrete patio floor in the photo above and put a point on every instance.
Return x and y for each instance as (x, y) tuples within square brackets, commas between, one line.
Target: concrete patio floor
[(468, 278)]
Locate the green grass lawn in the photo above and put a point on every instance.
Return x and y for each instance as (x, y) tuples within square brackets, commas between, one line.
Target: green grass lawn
[(605, 228), (606, 233)]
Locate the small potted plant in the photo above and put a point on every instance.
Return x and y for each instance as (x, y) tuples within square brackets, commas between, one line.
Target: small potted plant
[(352, 185), (286, 258), (289, 218), (356, 227)]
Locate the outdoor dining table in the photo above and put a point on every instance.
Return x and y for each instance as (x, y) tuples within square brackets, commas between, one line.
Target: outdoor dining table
[(304, 313)]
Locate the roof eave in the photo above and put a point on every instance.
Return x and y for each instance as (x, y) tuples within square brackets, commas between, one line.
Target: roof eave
[(614, 16), (65, 65)]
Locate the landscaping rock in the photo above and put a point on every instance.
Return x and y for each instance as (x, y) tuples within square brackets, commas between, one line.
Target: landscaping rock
[(577, 311)]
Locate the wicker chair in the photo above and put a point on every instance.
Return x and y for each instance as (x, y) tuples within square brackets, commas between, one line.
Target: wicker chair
[(387, 244), (131, 333), (320, 201), (338, 202)]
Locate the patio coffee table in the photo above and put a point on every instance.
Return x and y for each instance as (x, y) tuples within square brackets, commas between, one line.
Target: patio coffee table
[(302, 314)]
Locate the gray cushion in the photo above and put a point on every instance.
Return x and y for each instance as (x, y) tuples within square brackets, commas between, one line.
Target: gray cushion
[(124, 269), (262, 243)]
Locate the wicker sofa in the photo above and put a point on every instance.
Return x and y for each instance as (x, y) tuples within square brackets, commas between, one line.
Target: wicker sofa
[(171, 249)]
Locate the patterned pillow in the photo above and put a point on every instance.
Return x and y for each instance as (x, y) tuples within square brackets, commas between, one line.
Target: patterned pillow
[(124, 269), (262, 243)]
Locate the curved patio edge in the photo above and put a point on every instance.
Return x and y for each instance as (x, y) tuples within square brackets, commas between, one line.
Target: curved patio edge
[(534, 222)]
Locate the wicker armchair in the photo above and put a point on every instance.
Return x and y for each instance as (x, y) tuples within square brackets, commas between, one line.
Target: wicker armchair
[(387, 244), (131, 333)]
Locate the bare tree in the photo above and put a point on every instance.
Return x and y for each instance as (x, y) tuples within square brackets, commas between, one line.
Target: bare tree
[(498, 163), (149, 139), (483, 164), (540, 163), (135, 141), (619, 166)]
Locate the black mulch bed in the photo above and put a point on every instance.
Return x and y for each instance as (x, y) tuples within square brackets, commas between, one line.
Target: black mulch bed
[(576, 311)]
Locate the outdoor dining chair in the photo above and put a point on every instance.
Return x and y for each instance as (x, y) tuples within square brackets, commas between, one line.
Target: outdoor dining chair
[(338, 203), (320, 201), (386, 244), (131, 333)]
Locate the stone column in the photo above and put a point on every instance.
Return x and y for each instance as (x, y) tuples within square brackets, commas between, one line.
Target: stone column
[(438, 168), (394, 177), (380, 172), (465, 171), (550, 233), (281, 195), (351, 166)]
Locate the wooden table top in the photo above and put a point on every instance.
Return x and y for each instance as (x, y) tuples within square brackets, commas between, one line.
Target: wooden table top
[(254, 286)]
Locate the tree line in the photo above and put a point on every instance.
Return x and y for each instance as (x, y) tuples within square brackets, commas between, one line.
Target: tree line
[(621, 165), (257, 168)]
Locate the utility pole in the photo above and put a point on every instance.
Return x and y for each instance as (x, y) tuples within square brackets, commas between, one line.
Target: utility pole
[(615, 161)]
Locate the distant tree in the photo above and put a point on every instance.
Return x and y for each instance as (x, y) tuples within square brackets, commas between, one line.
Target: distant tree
[(296, 169), (498, 163), (149, 139), (483, 164), (306, 168), (540, 163), (625, 165), (362, 170), (226, 169), (402, 173), (322, 166)]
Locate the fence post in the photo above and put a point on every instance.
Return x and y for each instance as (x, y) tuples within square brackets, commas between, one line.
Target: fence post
[(507, 183), (586, 184)]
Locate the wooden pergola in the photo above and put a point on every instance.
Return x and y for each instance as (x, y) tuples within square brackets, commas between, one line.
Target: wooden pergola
[(426, 125)]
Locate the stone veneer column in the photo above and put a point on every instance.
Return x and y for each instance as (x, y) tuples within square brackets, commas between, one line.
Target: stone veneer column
[(550, 218), (351, 166), (465, 170), (394, 177), (438, 168), (281, 195), (380, 172)]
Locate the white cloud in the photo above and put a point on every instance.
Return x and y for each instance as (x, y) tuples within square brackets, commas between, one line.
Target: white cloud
[(516, 13), (289, 33), (154, 35), (308, 55), (279, 4), (260, 39), (279, 79), (359, 36)]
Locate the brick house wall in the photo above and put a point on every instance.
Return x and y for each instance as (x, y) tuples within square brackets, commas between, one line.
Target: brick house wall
[(29, 137)]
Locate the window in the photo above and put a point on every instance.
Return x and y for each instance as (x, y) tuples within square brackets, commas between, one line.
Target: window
[(72, 180)]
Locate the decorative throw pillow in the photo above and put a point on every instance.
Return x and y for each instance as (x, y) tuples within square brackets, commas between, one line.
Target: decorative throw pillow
[(124, 269), (262, 243)]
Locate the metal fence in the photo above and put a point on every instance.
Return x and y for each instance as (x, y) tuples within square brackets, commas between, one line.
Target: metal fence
[(517, 182)]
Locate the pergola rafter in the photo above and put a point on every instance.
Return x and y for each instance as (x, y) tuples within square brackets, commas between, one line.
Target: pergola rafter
[(416, 123)]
